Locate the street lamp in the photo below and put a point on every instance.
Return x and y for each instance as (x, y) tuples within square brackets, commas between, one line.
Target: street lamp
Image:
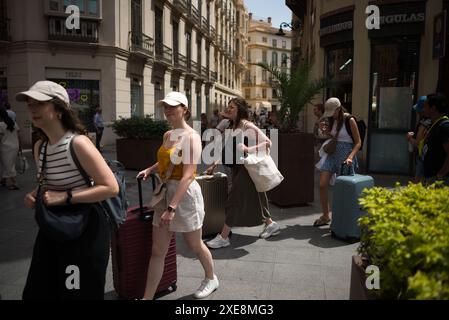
[(295, 26)]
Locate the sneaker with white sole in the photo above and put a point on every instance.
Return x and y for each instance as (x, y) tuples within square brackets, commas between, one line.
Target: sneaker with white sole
[(271, 230), (218, 242), (206, 288)]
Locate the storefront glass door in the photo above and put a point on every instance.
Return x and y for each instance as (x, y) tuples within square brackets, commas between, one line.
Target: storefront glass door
[(394, 79)]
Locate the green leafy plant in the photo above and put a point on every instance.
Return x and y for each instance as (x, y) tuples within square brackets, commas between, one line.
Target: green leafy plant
[(140, 128), (406, 234), (294, 91)]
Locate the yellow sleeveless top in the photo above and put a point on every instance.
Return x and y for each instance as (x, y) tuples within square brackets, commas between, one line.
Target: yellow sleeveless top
[(163, 159)]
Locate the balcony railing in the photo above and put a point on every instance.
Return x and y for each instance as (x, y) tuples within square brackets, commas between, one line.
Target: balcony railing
[(140, 42), (195, 15), (164, 53), (5, 34), (204, 73), (246, 82), (192, 67), (181, 5), (204, 25), (213, 76), (213, 33), (88, 31), (180, 61)]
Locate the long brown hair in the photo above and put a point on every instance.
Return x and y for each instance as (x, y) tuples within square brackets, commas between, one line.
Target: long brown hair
[(340, 119), (242, 111), (69, 119)]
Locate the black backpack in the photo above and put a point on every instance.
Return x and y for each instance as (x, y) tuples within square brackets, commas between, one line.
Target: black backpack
[(115, 208), (360, 125)]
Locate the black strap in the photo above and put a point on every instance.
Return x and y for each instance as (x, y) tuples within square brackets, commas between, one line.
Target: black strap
[(43, 149)]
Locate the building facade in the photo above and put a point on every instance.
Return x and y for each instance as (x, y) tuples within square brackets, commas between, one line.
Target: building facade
[(378, 74), (126, 55), (264, 45)]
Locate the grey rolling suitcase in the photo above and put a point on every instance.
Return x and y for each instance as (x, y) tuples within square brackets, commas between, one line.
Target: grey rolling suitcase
[(215, 194)]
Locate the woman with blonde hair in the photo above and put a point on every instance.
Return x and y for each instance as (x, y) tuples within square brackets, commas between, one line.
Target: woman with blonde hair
[(183, 210)]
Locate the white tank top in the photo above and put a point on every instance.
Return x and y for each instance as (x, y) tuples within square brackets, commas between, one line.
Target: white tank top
[(62, 174), (343, 135)]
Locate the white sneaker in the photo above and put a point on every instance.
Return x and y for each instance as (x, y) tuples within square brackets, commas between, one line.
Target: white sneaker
[(271, 230), (206, 288), (218, 242)]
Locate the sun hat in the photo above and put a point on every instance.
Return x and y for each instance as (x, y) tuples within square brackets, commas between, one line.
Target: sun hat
[(174, 99), (44, 91), (330, 106)]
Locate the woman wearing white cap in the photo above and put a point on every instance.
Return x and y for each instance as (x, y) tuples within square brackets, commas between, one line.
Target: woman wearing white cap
[(345, 152), (183, 210), (87, 255)]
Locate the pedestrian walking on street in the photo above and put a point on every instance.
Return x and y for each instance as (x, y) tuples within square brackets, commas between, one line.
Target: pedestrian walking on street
[(184, 210), (214, 119), (63, 188), (99, 127), (417, 138), (345, 152), (245, 206), (9, 149), (436, 143)]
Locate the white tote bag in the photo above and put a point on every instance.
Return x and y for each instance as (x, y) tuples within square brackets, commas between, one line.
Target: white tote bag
[(263, 171)]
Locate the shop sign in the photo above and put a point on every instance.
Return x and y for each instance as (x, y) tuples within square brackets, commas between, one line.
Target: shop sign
[(403, 18), (344, 26)]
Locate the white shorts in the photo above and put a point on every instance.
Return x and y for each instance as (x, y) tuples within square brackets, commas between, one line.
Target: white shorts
[(189, 215)]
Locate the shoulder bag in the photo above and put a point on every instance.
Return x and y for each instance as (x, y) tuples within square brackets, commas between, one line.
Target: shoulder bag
[(60, 223)]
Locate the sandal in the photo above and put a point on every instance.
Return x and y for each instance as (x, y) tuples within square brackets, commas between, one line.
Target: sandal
[(321, 221)]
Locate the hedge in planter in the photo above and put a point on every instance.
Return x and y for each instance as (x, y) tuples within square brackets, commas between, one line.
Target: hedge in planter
[(141, 139), (140, 128), (406, 234)]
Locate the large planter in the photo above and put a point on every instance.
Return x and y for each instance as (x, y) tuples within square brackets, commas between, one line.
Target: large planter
[(358, 290), (137, 154), (296, 163)]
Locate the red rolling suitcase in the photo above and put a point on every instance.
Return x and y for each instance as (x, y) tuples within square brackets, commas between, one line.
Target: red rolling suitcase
[(131, 252)]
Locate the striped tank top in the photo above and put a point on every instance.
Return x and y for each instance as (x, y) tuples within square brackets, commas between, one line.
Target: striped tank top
[(62, 173)]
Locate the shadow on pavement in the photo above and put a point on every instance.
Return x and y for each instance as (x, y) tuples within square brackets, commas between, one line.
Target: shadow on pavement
[(318, 237)]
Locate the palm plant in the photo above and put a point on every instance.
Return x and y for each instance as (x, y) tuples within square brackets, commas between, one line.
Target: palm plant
[(294, 91)]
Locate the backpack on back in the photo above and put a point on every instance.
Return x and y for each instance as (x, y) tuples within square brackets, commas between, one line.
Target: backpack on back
[(114, 207), (360, 125)]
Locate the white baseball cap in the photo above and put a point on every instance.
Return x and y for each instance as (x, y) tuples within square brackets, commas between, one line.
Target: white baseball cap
[(174, 99), (45, 91), (330, 106)]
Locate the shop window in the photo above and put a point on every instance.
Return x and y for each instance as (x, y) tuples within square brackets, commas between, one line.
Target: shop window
[(394, 79), (274, 59), (89, 8), (339, 68), (84, 98), (247, 94)]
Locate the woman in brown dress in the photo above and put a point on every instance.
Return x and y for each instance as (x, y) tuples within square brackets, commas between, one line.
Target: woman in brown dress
[(245, 206)]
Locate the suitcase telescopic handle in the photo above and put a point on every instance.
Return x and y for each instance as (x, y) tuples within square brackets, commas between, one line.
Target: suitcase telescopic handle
[(143, 216)]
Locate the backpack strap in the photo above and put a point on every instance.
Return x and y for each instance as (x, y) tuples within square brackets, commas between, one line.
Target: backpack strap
[(348, 118), (80, 168)]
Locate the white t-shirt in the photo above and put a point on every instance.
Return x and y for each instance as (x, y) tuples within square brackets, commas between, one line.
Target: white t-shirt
[(9, 139)]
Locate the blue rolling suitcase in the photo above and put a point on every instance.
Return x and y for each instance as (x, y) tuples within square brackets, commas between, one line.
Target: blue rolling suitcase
[(346, 209)]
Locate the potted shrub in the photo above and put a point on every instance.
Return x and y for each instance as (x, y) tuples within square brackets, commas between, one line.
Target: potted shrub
[(140, 140), (296, 149), (406, 235)]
